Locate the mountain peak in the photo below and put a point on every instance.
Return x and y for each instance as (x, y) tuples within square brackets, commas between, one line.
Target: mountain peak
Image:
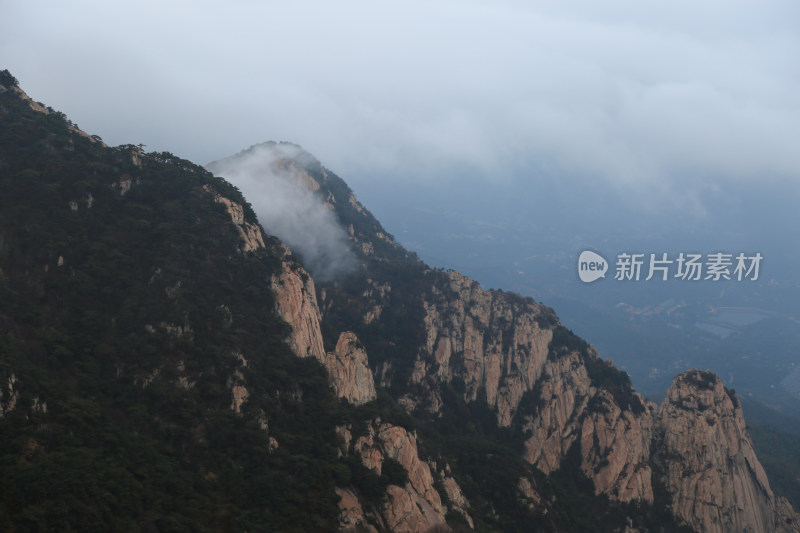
[(716, 481)]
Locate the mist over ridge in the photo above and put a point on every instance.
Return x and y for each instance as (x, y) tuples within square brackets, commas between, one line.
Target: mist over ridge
[(284, 200)]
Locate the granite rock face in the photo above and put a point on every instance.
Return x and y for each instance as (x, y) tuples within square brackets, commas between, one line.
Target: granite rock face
[(499, 345), (251, 236), (711, 471), (348, 370), (416, 506), (496, 345), (296, 303)]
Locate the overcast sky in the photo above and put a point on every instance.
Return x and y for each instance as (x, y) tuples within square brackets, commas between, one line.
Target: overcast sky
[(647, 95)]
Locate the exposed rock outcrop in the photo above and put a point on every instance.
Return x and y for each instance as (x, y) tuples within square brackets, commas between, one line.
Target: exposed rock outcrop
[(498, 344), (494, 344), (8, 400), (296, 303), (562, 396), (123, 184), (527, 495), (417, 506), (455, 495), (375, 294), (347, 365), (239, 392), (615, 446), (351, 515), (614, 443), (349, 370), (252, 238), (711, 471), (288, 167)]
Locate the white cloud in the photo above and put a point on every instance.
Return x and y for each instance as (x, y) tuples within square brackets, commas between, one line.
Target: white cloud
[(288, 209)]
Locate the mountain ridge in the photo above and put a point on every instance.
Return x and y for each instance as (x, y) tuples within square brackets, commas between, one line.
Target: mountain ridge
[(411, 395), (613, 458)]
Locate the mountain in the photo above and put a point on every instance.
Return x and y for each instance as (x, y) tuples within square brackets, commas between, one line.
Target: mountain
[(504, 355), (144, 375), (167, 364)]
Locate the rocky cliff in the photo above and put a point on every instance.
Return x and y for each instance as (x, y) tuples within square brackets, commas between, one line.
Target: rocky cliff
[(538, 379), (296, 303), (415, 506), (710, 469), (250, 233), (348, 368), (496, 346)]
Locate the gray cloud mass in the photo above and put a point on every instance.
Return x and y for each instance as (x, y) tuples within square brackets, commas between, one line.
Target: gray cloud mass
[(666, 98)]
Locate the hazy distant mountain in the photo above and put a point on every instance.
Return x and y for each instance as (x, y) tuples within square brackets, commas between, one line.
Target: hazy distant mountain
[(525, 234)]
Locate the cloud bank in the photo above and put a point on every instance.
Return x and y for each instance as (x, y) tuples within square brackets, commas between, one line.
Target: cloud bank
[(665, 98), (288, 209)]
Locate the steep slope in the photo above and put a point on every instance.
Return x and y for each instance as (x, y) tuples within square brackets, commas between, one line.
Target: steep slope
[(443, 347), (710, 468), (144, 381), (147, 379)]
